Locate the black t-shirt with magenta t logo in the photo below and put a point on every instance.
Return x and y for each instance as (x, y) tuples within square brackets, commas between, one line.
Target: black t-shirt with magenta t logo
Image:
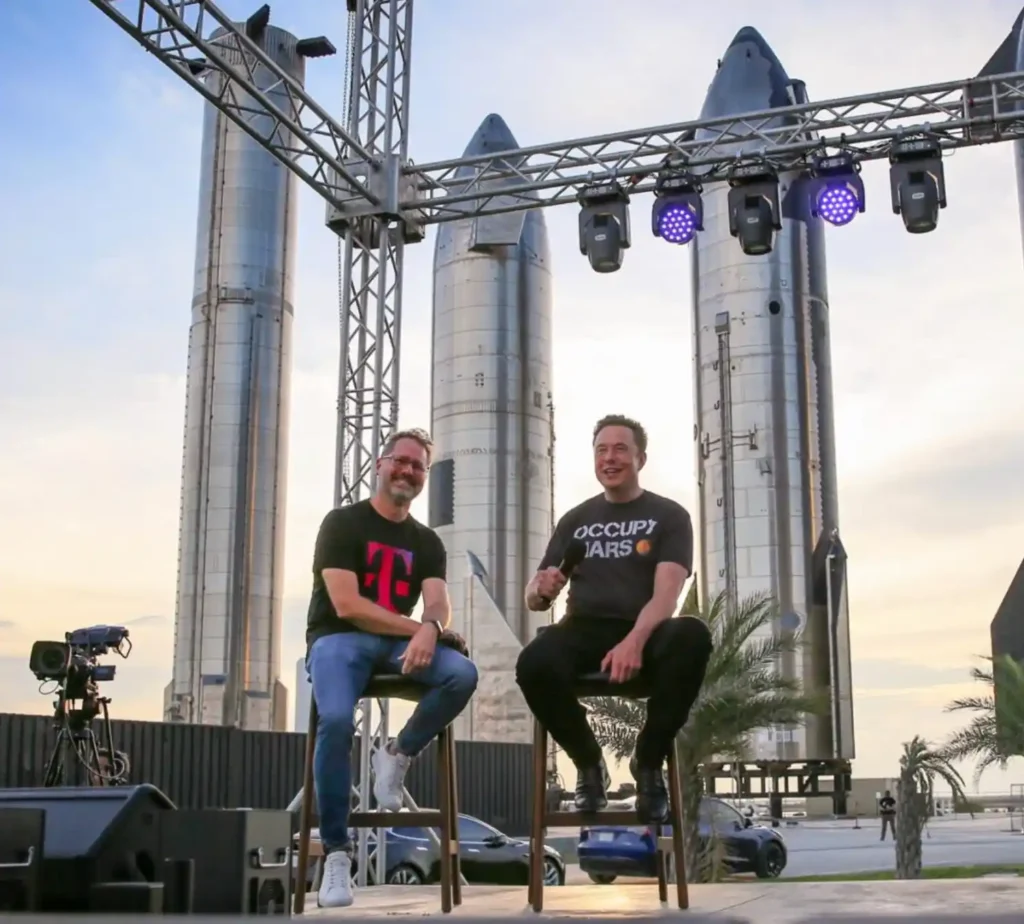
[(390, 561), (625, 544)]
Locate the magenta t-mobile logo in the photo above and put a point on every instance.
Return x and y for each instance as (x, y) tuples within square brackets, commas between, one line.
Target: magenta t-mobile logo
[(380, 562)]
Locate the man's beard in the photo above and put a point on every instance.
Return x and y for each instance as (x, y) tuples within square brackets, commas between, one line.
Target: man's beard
[(401, 491)]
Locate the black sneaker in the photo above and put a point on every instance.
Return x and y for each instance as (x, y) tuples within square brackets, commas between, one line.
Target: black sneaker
[(651, 797), (590, 794)]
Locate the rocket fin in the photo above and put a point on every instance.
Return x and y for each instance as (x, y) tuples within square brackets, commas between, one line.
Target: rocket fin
[(830, 592), (691, 602), (503, 230), (1004, 61), (1007, 626), (497, 711), (279, 707)]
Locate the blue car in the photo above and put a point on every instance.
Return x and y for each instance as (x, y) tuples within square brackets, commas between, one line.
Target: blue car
[(609, 851)]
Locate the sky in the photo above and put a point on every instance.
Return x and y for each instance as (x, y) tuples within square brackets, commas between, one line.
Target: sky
[(97, 256)]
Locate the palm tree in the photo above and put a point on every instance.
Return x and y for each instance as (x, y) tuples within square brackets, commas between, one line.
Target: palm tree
[(920, 766), (995, 732), (743, 691)]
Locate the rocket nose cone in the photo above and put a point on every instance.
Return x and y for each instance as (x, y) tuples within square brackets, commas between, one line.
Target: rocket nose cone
[(1018, 29), (491, 137), (748, 34), (750, 78)]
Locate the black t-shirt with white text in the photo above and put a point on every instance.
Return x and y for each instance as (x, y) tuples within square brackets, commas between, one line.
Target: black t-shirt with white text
[(625, 544), (887, 804), (390, 561)]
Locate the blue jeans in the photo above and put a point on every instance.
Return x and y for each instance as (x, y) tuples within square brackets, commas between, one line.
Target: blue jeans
[(340, 667)]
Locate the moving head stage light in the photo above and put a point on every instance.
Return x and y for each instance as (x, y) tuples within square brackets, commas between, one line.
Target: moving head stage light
[(836, 189), (918, 183), (754, 214), (604, 225), (73, 664), (678, 212)]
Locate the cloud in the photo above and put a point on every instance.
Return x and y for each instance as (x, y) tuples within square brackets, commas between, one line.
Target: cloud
[(953, 487), (898, 674), (7, 623)]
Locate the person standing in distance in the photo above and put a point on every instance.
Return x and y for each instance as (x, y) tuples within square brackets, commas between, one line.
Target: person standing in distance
[(372, 562), (622, 598), (887, 811)]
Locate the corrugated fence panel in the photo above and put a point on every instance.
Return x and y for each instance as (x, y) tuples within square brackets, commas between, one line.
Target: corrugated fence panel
[(208, 766), (269, 767)]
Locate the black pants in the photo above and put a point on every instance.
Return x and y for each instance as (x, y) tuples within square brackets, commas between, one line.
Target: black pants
[(888, 821), (674, 660)]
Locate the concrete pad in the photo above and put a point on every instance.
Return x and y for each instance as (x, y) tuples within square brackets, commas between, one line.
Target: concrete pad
[(924, 901)]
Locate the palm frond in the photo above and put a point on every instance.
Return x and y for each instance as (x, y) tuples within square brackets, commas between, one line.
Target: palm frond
[(995, 732), (972, 704), (616, 723), (921, 764), (743, 689)]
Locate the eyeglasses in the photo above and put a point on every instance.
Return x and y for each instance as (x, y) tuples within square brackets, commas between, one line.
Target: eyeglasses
[(406, 462)]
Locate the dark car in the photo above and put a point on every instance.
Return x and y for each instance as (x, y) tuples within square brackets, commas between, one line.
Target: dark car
[(609, 851), (487, 857)]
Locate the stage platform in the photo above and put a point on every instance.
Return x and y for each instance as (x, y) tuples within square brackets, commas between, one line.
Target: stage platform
[(933, 901)]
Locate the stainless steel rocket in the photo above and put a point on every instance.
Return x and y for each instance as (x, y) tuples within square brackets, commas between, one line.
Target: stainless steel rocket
[(1007, 627), (491, 404), (227, 633), (766, 465)]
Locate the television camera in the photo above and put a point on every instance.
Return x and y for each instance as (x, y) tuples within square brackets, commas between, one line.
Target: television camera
[(74, 666)]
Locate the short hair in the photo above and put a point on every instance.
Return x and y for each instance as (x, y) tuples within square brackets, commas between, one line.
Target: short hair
[(620, 420), (415, 433)]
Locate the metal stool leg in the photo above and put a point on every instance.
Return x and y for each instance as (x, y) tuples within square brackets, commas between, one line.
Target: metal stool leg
[(535, 890), (445, 774), (675, 791), (661, 860), (305, 813), (453, 803)]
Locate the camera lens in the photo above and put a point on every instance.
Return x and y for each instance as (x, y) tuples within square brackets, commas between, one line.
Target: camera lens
[(52, 660)]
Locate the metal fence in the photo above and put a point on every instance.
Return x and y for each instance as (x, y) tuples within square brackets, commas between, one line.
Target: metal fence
[(209, 766)]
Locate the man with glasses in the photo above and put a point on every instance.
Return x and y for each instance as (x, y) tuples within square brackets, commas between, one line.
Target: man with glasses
[(372, 563)]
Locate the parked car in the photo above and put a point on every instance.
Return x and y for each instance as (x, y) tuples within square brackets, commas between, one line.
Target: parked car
[(487, 856), (609, 851)]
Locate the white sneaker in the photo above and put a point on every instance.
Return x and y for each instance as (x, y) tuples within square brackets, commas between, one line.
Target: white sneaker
[(389, 778), (336, 883)]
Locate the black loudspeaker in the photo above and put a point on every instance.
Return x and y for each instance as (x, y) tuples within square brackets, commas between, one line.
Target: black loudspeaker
[(93, 835), (241, 858), (21, 858)]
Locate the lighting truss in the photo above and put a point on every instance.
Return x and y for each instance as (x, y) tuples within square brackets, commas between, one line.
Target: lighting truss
[(956, 114), (359, 182), (306, 139)]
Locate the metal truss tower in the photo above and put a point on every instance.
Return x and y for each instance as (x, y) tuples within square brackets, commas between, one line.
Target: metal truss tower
[(370, 307), (378, 200)]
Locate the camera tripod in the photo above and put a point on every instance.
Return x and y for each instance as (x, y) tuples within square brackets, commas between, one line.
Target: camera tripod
[(78, 759)]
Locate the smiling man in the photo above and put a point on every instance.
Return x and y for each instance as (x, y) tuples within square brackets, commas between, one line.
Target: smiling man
[(372, 562), (622, 597)]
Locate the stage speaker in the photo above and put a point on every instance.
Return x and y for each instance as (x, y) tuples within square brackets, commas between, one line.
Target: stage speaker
[(21, 858), (93, 835), (241, 858)]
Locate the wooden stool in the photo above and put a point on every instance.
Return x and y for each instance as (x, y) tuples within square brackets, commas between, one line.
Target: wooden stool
[(591, 686), (445, 819)]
